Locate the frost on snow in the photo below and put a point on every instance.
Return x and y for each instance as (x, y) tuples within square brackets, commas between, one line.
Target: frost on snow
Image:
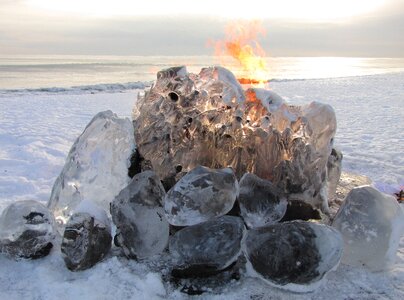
[(96, 167), (371, 224)]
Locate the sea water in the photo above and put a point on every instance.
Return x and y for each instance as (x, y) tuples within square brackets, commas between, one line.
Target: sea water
[(61, 73)]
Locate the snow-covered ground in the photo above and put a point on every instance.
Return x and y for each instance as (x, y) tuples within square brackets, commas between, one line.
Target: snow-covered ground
[(37, 131)]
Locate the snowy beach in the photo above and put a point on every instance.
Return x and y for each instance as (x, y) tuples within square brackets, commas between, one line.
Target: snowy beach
[(38, 128)]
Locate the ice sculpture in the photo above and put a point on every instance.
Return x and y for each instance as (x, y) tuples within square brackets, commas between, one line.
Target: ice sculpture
[(186, 120), (96, 167), (137, 212), (27, 230), (206, 248), (87, 237), (371, 224), (201, 195), (293, 255), (261, 203)]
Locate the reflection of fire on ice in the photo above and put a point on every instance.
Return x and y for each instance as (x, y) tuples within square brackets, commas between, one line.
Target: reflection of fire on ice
[(186, 120), (208, 119)]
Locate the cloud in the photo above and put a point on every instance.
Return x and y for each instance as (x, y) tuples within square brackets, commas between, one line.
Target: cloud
[(31, 32)]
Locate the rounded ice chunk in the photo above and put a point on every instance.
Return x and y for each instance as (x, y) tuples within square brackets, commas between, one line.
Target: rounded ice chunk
[(206, 248), (96, 167), (137, 212), (202, 194), (261, 203), (293, 255), (371, 224), (86, 240), (27, 230)]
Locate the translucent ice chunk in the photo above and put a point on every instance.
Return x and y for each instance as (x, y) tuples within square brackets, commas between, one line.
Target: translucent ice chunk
[(208, 247), (201, 195), (293, 255), (261, 203), (371, 224), (137, 212), (86, 241), (27, 230), (96, 167)]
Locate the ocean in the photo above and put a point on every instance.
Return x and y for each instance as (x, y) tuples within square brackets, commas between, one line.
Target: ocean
[(116, 73)]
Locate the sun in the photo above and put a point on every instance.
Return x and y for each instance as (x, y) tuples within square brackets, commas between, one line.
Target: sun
[(314, 10)]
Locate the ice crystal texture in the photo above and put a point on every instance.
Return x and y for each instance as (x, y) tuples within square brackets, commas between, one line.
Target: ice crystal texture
[(186, 120)]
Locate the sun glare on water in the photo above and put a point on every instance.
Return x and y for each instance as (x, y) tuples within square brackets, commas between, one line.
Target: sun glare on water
[(294, 9)]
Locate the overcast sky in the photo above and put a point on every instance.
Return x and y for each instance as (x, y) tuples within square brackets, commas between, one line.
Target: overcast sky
[(365, 28)]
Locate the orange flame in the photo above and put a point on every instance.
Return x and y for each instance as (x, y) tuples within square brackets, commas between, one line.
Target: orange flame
[(241, 43)]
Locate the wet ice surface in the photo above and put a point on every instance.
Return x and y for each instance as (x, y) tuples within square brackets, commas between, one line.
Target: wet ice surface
[(34, 146)]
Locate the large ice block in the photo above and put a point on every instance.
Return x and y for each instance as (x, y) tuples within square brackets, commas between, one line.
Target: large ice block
[(96, 167), (186, 120)]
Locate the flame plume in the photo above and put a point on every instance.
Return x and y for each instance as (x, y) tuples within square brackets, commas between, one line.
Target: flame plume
[(241, 43)]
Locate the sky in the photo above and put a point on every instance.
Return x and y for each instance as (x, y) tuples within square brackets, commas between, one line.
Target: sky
[(357, 28)]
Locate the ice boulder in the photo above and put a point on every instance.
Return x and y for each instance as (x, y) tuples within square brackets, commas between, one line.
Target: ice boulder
[(293, 255), (202, 194), (371, 224), (137, 212), (261, 203), (206, 248), (186, 120), (87, 237), (27, 230), (96, 167)]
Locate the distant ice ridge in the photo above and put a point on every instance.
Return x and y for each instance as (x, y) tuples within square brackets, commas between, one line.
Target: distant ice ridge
[(82, 89)]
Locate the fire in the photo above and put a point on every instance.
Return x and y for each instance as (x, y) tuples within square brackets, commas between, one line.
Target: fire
[(241, 43)]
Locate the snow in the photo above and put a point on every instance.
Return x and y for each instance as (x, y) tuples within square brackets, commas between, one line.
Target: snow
[(37, 131), (89, 207)]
